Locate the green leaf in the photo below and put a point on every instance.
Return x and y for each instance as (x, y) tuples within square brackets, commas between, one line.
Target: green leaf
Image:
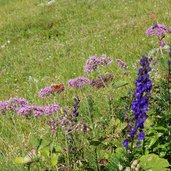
[(95, 143), (35, 142), (54, 159), (44, 152), (44, 143), (154, 139), (58, 149), (19, 160), (153, 162), (119, 84)]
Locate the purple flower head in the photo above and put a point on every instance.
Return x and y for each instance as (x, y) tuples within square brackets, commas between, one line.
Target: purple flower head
[(78, 82), (49, 110), (158, 30), (125, 143), (3, 105), (141, 100), (76, 107), (38, 110), (25, 110), (104, 60), (45, 92), (13, 104), (141, 135), (162, 43), (93, 62), (121, 64)]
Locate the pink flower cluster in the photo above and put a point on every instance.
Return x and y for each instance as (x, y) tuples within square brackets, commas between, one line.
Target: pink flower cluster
[(93, 62), (13, 104), (45, 92), (158, 30), (38, 110), (22, 107), (78, 82)]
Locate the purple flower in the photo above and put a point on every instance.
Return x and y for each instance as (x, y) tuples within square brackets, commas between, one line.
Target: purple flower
[(45, 92), (141, 101), (104, 60), (162, 43), (141, 135), (25, 110), (49, 110), (76, 107), (13, 104), (78, 82), (38, 110), (158, 29), (93, 62), (125, 143), (122, 64)]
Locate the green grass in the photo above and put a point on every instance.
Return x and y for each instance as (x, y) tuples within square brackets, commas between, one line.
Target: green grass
[(51, 44)]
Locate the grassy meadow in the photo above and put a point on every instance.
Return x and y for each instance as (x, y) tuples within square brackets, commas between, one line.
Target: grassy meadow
[(44, 44)]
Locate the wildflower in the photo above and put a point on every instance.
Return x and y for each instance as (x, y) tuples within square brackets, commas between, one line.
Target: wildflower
[(45, 92), (13, 104), (140, 103), (162, 43), (38, 110), (158, 29), (25, 110), (78, 82), (76, 107), (68, 121), (104, 60), (49, 110), (122, 64), (93, 62)]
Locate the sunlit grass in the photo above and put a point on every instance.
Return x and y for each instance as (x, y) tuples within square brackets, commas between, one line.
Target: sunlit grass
[(50, 44)]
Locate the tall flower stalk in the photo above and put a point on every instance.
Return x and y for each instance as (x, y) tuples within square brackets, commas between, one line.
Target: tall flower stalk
[(140, 104)]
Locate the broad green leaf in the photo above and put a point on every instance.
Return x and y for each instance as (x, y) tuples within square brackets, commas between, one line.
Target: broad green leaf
[(54, 159), (44, 152), (35, 142), (154, 139), (44, 143), (153, 162)]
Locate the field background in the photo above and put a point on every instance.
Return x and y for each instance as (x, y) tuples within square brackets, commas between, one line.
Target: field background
[(41, 45)]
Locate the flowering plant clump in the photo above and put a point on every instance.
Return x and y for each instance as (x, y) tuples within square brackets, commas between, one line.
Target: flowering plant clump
[(140, 103), (68, 122), (13, 104), (93, 62), (45, 91), (158, 30), (78, 82), (38, 110)]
